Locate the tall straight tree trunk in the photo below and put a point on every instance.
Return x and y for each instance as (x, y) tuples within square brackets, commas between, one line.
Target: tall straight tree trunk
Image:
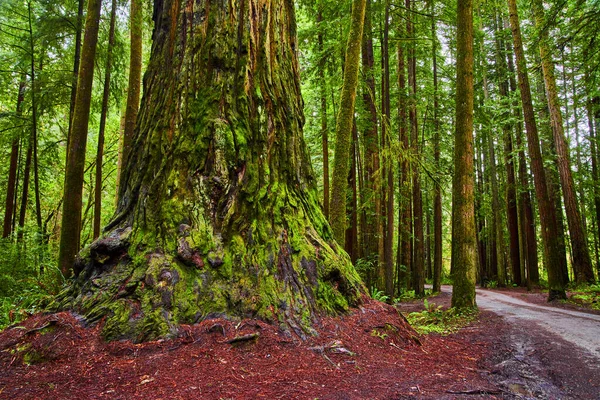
[(553, 178), (497, 233), (136, 25), (404, 199), (76, 61), (418, 268), (509, 159), (553, 261), (71, 216), (528, 244), (25, 191), (34, 123), (351, 243), (389, 166), (220, 211), (324, 130), (100, 150), (593, 135), (582, 262), (437, 191), (11, 185), (464, 242), (345, 119), (371, 199)]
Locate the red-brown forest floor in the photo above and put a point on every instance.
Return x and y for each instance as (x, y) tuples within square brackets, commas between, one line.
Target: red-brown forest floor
[(371, 353)]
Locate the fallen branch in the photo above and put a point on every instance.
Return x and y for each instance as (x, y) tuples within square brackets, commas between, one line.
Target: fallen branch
[(244, 338), (474, 391)]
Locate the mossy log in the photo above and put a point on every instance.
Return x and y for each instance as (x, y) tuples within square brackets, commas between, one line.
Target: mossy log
[(218, 212)]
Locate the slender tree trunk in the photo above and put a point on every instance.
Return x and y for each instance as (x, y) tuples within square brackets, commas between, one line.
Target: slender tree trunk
[(507, 137), (418, 270), (76, 61), (389, 170), (529, 241), (546, 208), (437, 191), (344, 122), (464, 242), (34, 123), (9, 209), (404, 199), (593, 135), (100, 151), (351, 242), (220, 210), (371, 201), (25, 195), (136, 24), (582, 262), (324, 130), (71, 217)]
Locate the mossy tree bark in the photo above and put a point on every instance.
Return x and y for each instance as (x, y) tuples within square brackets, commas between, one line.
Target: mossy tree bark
[(553, 261), (71, 216), (323, 94), (345, 119), (219, 213), (464, 242)]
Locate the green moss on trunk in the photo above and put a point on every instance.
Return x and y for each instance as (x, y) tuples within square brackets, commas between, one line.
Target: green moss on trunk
[(219, 213)]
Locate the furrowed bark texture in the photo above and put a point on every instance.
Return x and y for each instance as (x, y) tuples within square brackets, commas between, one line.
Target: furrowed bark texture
[(464, 243), (219, 213), (71, 217), (437, 190), (553, 260), (345, 119)]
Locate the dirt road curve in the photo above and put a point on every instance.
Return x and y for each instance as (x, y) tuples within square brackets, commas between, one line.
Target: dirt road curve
[(547, 353), (581, 329)]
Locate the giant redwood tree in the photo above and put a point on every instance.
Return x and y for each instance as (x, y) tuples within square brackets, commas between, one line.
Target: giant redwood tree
[(218, 211)]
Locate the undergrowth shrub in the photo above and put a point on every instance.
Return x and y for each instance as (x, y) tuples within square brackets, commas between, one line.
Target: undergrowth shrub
[(29, 277)]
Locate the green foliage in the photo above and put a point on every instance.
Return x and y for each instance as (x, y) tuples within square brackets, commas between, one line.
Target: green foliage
[(444, 322), (587, 296), (378, 295), (28, 279), (409, 295)]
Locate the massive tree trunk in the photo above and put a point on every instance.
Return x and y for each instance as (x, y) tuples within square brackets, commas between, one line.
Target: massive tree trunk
[(464, 243), (547, 210), (219, 213)]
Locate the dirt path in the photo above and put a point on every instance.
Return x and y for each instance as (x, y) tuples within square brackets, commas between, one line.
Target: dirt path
[(547, 352), (578, 328)]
